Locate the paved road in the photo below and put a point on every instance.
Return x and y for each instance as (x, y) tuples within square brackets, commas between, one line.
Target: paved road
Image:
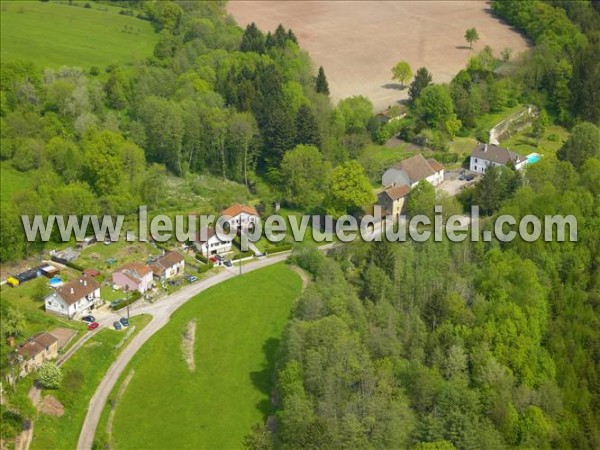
[(161, 312)]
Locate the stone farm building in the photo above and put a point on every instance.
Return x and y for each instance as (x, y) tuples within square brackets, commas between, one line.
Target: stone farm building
[(412, 170)]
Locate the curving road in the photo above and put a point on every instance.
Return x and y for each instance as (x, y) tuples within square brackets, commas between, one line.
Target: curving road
[(161, 312)]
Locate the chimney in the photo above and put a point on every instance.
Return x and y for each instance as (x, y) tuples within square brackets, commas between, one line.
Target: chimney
[(485, 148), (85, 282), (72, 291)]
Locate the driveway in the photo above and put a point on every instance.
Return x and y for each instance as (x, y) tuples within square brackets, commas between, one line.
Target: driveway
[(452, 185), (161, 312)]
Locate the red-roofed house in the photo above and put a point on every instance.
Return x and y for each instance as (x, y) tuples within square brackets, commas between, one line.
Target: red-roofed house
[(241, 216), (133, 277)]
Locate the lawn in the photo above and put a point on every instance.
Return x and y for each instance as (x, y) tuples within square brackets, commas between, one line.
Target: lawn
[(524, 142), (95, 255), (82, 374), (53, 35), (238, 327), (27, 298)]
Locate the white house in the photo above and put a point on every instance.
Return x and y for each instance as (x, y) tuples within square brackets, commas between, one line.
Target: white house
[(75, 298), (241, 216), (487, 155), (412, 170), (168, 266), (208, 243)]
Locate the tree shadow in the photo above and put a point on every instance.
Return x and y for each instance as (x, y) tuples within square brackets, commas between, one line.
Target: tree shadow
[(264, 379), (463, 47), (396, 86)]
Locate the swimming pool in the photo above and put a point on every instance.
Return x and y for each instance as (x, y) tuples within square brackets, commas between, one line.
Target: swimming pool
[(532, 158), (55, 282)]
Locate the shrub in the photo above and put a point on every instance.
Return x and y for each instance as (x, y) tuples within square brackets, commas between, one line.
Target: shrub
[(200, 257), (94, 71), (50, 376), (552, 137)]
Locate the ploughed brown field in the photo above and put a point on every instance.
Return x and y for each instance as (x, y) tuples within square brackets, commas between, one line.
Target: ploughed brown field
[(358, 42)]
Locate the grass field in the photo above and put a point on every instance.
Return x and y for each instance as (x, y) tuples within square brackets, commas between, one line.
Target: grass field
[(53, 35), (82, 374), (239, 324)]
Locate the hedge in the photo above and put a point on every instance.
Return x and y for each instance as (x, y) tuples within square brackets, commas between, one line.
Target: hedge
[(133, 298), (280, 248), (75, 266)]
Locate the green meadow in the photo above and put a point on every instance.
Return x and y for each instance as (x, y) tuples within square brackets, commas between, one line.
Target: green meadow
[(238, 327), (56, 34)]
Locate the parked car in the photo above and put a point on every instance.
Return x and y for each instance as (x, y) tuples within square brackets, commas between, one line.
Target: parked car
[(227, 263), (107, 242), (191, 278), (88, 319), (462, 176), (470, 177), (219, 257), (93, 325), (117, 325), (124, 321), (174, 282)]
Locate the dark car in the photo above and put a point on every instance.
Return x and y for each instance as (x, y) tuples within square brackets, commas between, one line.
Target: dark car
[(88, 319), (219, 257), (227, 263), (469, 177), (93, 325), (117, 325), (124, 321), (174, 282)]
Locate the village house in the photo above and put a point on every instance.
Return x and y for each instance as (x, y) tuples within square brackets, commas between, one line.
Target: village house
[(40, 348), (241, 217), (75, 298), (133, 276), (412, 170), (168, 266), (208, 243), (392, 199), (392, 114), (488, 155)]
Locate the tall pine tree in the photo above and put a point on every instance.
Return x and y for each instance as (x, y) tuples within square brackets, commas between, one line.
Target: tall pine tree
[(421, 81), (321, 85), (253, 40), (307, 128)]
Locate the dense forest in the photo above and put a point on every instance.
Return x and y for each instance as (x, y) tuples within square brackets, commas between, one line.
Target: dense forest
[(468, 345)]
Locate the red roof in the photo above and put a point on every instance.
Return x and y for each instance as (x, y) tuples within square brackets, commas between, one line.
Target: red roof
[(237, 209)]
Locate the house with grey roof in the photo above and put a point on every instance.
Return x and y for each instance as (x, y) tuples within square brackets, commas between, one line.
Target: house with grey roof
[(488, 155)]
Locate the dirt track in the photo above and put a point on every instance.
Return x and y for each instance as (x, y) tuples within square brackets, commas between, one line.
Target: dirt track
[(357, 42)]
